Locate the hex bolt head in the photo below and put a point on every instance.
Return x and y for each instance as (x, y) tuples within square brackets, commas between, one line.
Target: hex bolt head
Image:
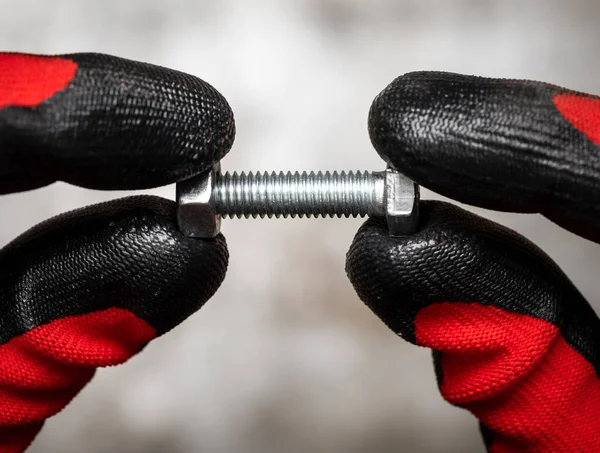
[(203, 199), (196, 215)]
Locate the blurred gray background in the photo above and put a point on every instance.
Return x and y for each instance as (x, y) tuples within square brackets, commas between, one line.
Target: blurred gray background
[(285, 358)]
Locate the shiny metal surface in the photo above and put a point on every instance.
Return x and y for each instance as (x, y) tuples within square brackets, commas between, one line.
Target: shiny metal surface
[(328, 194), (202, 200), (401, 203), (196, 214)]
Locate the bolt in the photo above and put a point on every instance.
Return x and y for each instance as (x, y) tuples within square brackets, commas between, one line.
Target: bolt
[(203, 199)]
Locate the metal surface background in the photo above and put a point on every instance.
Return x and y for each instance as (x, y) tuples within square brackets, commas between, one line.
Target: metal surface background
[(285, 357)]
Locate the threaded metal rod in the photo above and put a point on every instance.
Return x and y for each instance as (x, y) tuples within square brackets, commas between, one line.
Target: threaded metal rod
[(205, 198), (298, 194)]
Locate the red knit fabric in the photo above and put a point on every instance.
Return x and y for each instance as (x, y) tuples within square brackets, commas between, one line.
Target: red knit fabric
[(517, 375), (583, 113), (28, 80), (43, 369)]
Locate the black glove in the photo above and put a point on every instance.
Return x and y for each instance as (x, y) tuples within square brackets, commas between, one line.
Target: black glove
[(514, 342), (90, 288)]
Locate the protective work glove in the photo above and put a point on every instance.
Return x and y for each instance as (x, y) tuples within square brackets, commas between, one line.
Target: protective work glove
[(514, 341), (90, 288)]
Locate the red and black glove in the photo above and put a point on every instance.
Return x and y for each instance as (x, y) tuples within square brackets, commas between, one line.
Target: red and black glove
[(90, 288), (514, 341)]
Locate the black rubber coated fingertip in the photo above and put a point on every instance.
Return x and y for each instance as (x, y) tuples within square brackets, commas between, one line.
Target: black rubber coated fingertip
[(126, 253), (499, 144), (402, 118), (457, 256), (172, 125), (117, 124)]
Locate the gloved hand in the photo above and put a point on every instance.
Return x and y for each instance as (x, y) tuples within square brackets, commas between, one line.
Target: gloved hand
[(90, 288), (514, 341)]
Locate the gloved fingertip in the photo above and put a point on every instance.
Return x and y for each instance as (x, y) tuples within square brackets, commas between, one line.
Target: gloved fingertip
[(455, 256)]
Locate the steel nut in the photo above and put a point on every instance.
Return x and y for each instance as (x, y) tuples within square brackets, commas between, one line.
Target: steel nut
[(196, 215), (402, 203)]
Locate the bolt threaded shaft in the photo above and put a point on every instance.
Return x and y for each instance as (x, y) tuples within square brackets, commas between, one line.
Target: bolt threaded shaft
[(297, 194)]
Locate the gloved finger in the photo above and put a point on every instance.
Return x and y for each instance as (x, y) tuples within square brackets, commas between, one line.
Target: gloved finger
[(103, 122), (88, 289), (515, 343), (507, 145)]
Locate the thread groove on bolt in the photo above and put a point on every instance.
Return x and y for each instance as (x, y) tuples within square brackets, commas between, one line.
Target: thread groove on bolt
[(297, 194)]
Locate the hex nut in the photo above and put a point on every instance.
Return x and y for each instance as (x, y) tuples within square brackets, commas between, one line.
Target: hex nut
[(196, 215), (401, 203)]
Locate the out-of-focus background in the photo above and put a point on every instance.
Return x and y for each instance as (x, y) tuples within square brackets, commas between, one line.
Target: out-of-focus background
[(285, 358)]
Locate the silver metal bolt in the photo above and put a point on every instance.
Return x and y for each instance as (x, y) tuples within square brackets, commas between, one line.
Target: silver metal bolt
[(203, 199)]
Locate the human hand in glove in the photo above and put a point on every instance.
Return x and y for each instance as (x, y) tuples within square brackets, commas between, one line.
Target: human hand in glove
[(90, 288), (514, 341)]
